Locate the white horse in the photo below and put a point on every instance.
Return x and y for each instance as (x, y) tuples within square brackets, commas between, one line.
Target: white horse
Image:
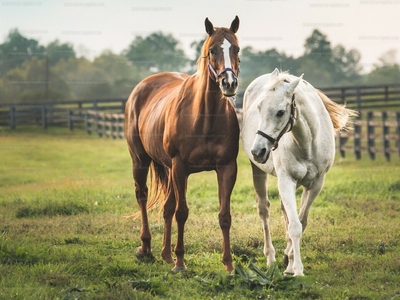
[(289, 132)]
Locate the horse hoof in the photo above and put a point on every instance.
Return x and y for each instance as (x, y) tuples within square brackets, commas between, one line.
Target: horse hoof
[(140, 254), (167, 258), (288, 273), (178, 269)]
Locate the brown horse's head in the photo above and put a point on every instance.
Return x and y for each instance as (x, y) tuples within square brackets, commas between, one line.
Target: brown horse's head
[(222, 52)]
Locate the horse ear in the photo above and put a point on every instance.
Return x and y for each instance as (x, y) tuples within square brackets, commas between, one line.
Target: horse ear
[(235, 25), (209, 27), (292, 86), (275, 74)]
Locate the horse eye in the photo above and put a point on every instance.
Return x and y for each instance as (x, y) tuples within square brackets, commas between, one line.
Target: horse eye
[(212, 50), (280, 113)]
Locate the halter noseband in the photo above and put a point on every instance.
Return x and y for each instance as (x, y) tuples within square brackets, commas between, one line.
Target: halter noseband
[(287, 128), (216, 75)]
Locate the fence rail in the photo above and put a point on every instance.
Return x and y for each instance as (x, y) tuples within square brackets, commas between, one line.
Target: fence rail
[(363, 98)]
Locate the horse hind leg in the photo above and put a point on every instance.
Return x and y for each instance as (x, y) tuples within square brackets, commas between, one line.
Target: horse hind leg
[(140, 172), (169, 211), (307, 199), (263, 207), (179, 183)]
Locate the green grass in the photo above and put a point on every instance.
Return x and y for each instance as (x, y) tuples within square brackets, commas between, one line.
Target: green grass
[(63, 232)]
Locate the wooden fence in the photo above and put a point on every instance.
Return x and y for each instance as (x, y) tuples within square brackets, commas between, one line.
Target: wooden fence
[(364, 98), (72, 113), (376, 130), (105, 124), (65, 114)]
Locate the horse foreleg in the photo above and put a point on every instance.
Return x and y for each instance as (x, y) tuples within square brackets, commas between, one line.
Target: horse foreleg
[(179, 181), (287, 189), (226, 176), (289, 250), (140, 171), (263, 207)]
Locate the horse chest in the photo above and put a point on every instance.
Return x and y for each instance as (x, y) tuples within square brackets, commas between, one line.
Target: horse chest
[(205, 154)]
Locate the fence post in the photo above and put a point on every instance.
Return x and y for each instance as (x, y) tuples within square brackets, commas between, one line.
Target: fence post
[(370, 135), (398, 132), (343, 95), (100, 124), (385, 134), (12, 117), (358, 99), (70, 120), (44, 116), (87, 122), (357, 139), (342, 142)]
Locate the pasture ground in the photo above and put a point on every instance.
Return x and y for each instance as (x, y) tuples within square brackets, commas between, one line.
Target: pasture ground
[(64, 196)]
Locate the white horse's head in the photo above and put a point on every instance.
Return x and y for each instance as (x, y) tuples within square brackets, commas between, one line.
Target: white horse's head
[(277, 111)]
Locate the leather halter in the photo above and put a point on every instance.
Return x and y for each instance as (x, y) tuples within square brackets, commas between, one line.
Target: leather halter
[(216, 75), (287, 128)]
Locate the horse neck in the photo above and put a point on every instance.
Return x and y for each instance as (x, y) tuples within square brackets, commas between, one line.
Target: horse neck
[(208, 101), (304, 127)]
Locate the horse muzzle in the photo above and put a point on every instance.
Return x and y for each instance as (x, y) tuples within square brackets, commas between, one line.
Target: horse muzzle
[(260, 155), (228, 83)]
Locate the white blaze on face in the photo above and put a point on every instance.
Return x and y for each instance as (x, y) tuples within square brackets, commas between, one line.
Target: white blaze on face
[(225, 48), (227, 59)]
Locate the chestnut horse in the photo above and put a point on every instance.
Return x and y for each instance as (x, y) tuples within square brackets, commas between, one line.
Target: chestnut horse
[(176, 125)]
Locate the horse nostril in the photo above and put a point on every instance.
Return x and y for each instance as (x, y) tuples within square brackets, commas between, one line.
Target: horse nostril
[(259, 153), (234, 83), (225, 84)]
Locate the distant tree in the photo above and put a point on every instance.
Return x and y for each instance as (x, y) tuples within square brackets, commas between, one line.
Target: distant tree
[(318, 48), (120, 73), (347, 65), (56, 51), (384, 75), (83, 78), (157, 52), (16, 49), (255, 63), (27, 83), (197, 46), (314, 73), (387, 71)]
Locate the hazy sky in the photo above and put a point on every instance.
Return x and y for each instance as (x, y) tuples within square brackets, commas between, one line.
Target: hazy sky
[(92, 26)]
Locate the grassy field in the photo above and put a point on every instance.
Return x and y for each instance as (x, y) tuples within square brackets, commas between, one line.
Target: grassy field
[(64, 196)]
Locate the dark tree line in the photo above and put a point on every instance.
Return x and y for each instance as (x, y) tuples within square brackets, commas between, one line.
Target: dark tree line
[(33, 72)]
